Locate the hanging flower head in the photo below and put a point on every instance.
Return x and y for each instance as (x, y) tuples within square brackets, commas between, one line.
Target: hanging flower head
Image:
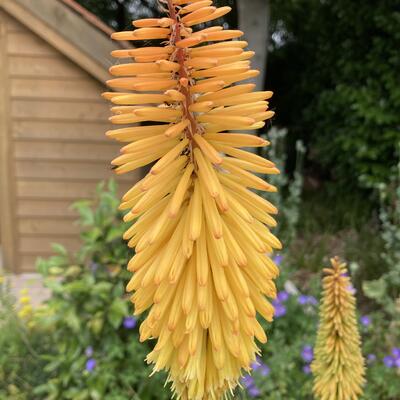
[(338, 366), (200, 233)]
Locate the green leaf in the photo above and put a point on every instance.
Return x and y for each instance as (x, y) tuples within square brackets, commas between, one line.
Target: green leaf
[(73, 271), (60, 249), (113, 234), (96, 325), (117, 311), (103, 287), (42, 266), (72, 320), (112, 186), (375, 289), (85, 212), (76, 287)]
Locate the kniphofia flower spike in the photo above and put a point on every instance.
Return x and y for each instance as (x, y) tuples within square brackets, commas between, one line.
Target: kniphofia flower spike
[(338, 367), (200, 233)]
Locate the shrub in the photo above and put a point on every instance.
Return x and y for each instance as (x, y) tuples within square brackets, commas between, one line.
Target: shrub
[(21, 366), (334, 68), (91, 348), (288, 199)]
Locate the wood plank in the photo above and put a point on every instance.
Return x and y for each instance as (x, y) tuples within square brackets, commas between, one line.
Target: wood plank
[(55, 209), (67, 31), (27, 43), (42, 245), (65, 171), (28, 263), (59, 110), (70, 191), (8, 236), (45, 190), (79, 89), (54, 190), (61, 131), (45, 226), (41, 151), (45, 67), (12, 25)]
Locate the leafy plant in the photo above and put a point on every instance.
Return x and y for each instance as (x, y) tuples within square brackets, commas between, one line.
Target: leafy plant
[(386, 289), (288, 198), (94, 351), (20, 364), (333, 66)]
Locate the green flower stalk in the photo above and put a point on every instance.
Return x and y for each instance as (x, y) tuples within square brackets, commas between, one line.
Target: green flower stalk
[(338, 366)]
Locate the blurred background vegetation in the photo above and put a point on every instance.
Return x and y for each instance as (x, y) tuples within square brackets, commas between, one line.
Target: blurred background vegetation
[(334, 67)]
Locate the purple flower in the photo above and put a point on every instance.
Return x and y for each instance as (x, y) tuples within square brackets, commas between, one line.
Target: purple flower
[(388, 361), (278, 259), (253, 391), (351, 289), (304, 299), (265, 370), (256, 365), (280, 309), (307, 369), (283, 295), (259, 366), (89, 351), (312, 300), (247, 381), (365, 320), (90, 364), (307, 353), (371, 358), (129, 322), (397, 362), (396, 352)]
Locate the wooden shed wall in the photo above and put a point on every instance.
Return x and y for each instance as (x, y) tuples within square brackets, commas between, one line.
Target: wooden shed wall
[(55, 144)]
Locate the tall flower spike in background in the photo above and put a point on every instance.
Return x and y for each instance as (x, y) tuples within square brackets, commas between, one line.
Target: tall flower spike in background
[(201, 235), (338, 367)]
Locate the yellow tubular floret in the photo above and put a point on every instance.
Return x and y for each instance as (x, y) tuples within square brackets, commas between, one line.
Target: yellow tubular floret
[(202, 268)]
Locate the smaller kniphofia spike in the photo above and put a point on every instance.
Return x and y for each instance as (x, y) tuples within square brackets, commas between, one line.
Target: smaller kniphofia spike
[(338, 367)]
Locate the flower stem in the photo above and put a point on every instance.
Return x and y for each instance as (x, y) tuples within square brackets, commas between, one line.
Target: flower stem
[(184, 79)]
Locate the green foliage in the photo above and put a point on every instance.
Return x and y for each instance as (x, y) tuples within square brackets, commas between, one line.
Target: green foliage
[(287, 380), (334, 68), (20, 364), (387, 286), (288, 198), (102, 229), (49, 355), (118, 13), (295, 328), (85, 314)]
